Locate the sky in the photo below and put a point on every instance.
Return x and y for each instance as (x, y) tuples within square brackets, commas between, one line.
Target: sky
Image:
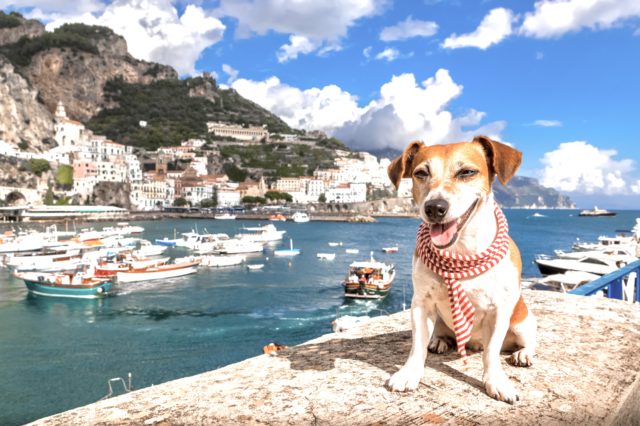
[(557, 79)]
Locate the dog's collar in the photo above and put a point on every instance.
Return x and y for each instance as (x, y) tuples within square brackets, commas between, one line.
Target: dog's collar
[(453, 267)]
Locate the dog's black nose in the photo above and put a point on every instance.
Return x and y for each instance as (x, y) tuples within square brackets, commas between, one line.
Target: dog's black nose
[(436, 209)]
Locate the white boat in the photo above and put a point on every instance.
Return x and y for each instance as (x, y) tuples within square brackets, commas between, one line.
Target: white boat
[(599, 265), (326, 256), (224, 216), (158, 272), (352, 251), (218, 261), (335, 244), (393, 249), (255, 266), (40, 258), (209, 243), (605, 242), (369, 279), (288, 252), (568, 280), (300, 217), (239, 246), (596, 212), (146, 249), (263, 234)]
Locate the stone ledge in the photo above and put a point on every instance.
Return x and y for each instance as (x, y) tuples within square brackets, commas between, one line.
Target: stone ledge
[(587, 371)]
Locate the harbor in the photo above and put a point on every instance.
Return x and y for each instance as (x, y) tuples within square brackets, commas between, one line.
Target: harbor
[(163, 330)]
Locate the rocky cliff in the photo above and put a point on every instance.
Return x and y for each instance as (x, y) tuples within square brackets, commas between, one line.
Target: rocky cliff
[(24, 121), (527, 192)]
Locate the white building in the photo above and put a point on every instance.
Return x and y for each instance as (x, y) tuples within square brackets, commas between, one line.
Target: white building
[(195, 194), (347, 193), (152, 194), (228, 197), (252, 133), (68, 133)]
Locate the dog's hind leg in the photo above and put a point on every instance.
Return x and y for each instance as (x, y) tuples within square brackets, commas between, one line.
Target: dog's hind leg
[(443, 339)]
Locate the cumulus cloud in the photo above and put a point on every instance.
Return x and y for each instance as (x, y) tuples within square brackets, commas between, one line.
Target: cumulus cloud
[(389, 54), (409, 28), (154, 31), (231, 72), (404, 110), (553, 18), (366, 52), (596, 171), (493, 29), (547, 123), (316, 25)]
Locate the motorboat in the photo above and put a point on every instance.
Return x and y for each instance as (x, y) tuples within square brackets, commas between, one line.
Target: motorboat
[(393, 249), (219, 261), (288, 252), (605, 242), (264, 234), (255, 266), (238, 246), (277, 217), (74, 285), (111, 269), (599, 265), (146, 249), (224, 216), (169, 270), (300, 217), (568, 280), (326, 256), (209, 243), (352, 251), (369, 279), (596, 212), (335, 244)]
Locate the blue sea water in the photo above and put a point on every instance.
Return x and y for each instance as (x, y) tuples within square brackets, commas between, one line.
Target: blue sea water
[(57, 354)]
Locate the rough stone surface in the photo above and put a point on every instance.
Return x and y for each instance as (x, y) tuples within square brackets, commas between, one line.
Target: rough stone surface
[(585, 372)]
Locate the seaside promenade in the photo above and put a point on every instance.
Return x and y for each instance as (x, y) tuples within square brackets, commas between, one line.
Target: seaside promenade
[(587, 372)]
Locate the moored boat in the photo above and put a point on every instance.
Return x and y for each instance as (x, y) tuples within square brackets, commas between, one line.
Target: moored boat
[(74, 285), (393, 249), (159, 272), (596, 212), (263, 234), (326, 256), (218, 261), (300, 217), (369, 279), (224, 216), (288, 252)]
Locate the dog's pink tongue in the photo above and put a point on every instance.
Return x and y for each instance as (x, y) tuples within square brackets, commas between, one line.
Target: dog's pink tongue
[(442, 234)]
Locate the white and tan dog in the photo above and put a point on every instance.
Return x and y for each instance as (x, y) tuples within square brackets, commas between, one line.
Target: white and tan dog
[(452, 188)]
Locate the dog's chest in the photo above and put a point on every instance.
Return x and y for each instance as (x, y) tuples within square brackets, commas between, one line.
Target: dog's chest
[(497, 287)]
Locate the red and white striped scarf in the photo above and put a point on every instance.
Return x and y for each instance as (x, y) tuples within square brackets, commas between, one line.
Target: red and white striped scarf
[(453, 267)]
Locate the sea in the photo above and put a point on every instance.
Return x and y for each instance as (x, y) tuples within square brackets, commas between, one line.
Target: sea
[(57, 354)]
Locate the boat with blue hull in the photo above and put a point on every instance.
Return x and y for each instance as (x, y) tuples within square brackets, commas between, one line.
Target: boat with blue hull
[(65, 285)]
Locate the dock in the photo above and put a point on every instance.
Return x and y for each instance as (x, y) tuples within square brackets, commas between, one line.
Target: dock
[(587, 372)]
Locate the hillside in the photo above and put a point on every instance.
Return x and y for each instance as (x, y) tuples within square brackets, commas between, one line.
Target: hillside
[(527, 192)]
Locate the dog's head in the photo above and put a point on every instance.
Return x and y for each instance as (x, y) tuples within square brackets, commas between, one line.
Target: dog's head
[(452, 182)]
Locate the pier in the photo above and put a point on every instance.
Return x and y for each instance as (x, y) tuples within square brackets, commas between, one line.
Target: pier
[(586, 371)]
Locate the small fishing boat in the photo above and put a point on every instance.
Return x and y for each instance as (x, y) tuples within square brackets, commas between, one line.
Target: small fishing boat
[(262, 234), (255, 266), (74, 285), (393, 249), (288, 252), (224, 216), (238, 246), (335, 244), (326, 256), (369, 279), (300, 217), (218, 261), (165, 242), (147, 249), (159, 272), (106, 269), (352, 251), (277, 217)]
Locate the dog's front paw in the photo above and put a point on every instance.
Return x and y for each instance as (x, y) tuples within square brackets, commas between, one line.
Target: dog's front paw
[(500, 388), (406, 379), (521, 358), (439, 345)]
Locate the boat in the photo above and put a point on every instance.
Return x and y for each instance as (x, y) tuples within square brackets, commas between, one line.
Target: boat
[(277, 217), (209, 243), (106, 269), (300, 217), (599, 265), (146, 249), (604, 242), (165, 271), (288, 252), (393, 249), (568, 280), (255, 266), (74, 285), (596, 212), (165, 242), (369, 279), (238, 246), (352, 251), (326, 256), (218, 261), (263, 234), (335, 244), (224, 216)]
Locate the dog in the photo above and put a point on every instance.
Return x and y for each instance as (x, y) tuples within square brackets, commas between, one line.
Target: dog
[(452, 189)]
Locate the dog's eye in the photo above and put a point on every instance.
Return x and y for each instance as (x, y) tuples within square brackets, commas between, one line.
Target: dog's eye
[(421, 174), (466, 173)]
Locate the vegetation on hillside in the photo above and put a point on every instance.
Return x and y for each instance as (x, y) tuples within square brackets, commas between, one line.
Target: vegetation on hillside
[(77, 37), (171, 114), (9, 20)]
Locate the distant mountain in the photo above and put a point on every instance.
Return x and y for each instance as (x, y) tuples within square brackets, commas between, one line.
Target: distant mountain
[(526, 192)]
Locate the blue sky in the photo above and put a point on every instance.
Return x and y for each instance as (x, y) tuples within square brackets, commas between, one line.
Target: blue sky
[(556, 79)]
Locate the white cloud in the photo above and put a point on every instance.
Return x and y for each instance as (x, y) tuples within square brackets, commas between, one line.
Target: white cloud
[(405, 110), (553, 18), (389, 54), (367, 52), (231, 72), (322, 24), (493, 28), (154, 31), (297, 45), (595, 172), (547, 123), (409, 28)]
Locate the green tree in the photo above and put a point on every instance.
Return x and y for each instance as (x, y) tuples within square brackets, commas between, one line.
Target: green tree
[(208, 203), (322, 198), (276, 195), (48, 197), (38, 166), (249, 199), (180, 202), (235, 173), (64, 177)]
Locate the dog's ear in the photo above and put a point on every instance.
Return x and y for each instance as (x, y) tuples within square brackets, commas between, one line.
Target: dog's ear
[(502, 159), (401, 166)]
